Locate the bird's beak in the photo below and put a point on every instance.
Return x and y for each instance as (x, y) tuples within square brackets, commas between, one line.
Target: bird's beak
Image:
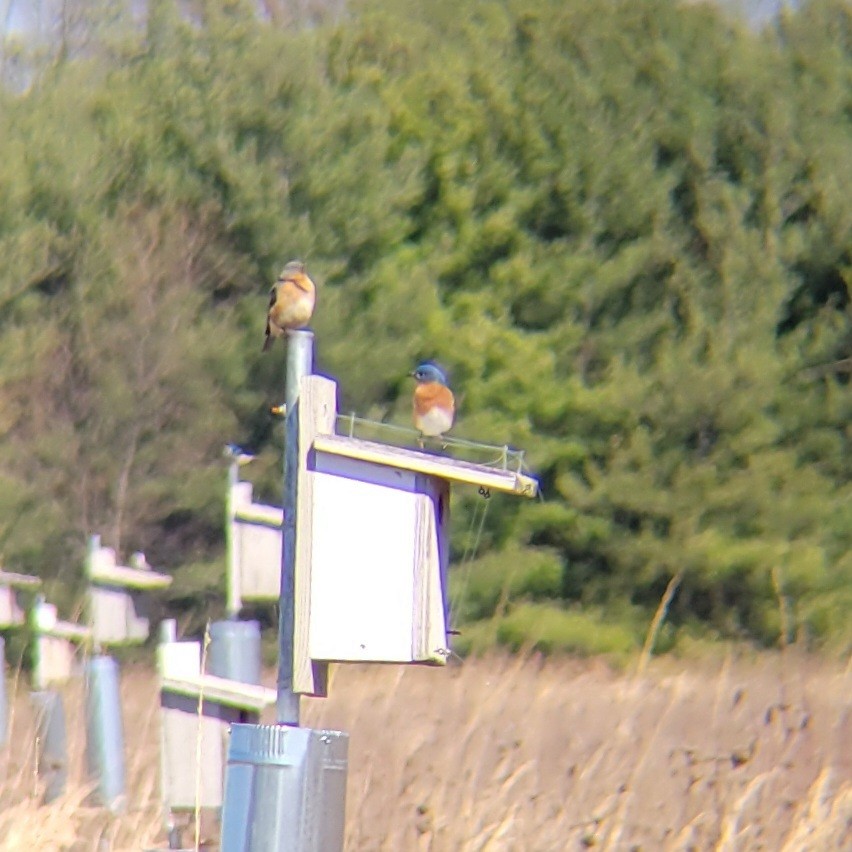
[(279, 410)]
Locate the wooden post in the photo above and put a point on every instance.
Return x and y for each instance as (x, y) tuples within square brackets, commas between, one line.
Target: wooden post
[(317, 415)]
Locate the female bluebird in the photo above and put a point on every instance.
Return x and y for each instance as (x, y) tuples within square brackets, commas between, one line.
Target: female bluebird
[(291, 302), (434, 405)]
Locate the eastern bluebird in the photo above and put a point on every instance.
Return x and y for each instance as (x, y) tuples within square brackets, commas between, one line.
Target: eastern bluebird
[(238, 454), (434, 405), (291, 302)]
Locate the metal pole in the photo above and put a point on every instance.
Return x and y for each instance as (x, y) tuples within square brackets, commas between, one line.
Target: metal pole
[(232, 607), (105, 732), (52, 743), (300, 359), (39, 677), (235, 651), (93, 547), (4, 707)]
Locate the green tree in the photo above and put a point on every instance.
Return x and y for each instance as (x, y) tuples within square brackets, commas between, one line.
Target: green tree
[(627, 236)]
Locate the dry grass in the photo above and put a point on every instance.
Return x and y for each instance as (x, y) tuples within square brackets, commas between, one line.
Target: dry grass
[(525, 754)]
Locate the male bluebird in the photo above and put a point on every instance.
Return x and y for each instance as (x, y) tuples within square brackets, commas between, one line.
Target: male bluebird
[(434, 405), (236, 453), (291, 302)]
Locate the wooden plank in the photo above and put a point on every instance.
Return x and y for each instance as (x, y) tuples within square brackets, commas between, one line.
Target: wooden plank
[(131, 578), (452, 470), (429, 633), (317, 413), (19, 581), (67, 630), (246, 696), (257, 513)]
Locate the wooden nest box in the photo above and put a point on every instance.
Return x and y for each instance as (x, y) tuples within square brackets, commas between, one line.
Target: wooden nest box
[(119, 595), (372, 544), (197, 712)]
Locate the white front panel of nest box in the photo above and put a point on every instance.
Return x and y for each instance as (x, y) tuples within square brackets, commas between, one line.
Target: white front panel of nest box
[(55, 661), (258, 551), (362, 578), (10, 613), (111, 610), (187, 739)]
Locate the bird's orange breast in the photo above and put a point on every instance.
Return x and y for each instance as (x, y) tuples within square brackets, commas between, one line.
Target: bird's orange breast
[(293, 304), (430, 395)]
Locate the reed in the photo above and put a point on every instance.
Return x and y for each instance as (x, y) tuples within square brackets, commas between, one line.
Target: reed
[(521, 753)]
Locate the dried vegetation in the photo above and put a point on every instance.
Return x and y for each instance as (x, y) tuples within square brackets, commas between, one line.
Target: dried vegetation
[(523, 754)]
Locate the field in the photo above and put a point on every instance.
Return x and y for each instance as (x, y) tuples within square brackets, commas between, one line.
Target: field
[(523, 754)]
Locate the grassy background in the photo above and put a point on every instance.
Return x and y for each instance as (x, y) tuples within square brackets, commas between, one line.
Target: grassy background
[(522, 753)]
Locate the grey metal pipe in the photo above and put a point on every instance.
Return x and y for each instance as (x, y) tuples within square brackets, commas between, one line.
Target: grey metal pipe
[(235, 651), (52, 743), (105, 732), (300, 359)]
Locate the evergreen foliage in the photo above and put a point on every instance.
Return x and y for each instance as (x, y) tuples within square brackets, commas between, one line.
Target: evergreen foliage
[(627, 235)]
